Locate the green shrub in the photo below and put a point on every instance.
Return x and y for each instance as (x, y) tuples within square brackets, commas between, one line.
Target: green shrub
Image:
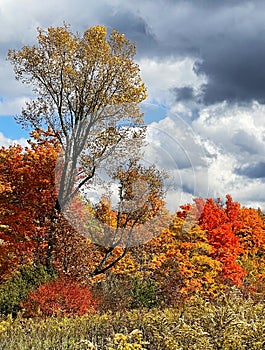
[(16, 289), (144, 294)]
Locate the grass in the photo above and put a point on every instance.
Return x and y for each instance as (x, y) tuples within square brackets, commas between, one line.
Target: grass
[(228, 323)]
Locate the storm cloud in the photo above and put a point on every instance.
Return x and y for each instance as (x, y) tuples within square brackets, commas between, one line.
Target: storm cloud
[(226, 38), (135, 27)]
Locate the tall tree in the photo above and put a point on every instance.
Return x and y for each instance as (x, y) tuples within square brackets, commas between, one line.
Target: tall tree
[(87, 88)]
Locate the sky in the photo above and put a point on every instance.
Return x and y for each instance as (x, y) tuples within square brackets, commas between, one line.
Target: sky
[(203, 63)]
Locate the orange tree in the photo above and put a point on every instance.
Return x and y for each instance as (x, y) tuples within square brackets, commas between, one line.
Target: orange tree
[(237, 235), (27, 199), (26, 202), (252, 240), (181, 261)]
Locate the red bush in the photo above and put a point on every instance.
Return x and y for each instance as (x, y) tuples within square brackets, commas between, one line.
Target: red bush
[(60, 297)]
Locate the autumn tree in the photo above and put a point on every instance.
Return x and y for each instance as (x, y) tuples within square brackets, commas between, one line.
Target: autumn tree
[(86, 87), (27, 200), (139, 203), (87, 90), (181, 261), (251, 236), (222, 223)]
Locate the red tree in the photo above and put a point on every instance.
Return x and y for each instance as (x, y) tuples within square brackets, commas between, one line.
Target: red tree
[(27, 200), (221, 223)]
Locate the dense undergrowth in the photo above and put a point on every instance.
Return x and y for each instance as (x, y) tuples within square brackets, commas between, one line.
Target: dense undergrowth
[(230, 322)]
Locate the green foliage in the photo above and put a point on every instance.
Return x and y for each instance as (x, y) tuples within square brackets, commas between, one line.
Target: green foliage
[(13, 291), (144, 293)]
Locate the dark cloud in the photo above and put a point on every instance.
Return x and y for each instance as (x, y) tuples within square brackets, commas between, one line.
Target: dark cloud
[(253, 171), (185, 93), (135, 28), (231, 50), (236, 72), (226, 37)]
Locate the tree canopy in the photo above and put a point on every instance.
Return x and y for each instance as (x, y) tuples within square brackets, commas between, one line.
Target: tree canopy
[(87, 88)]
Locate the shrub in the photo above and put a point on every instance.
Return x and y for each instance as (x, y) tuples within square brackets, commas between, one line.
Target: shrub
[(113, 293), (60, 297), (144, 293), (13, 291), (121, 293), (132, 341)]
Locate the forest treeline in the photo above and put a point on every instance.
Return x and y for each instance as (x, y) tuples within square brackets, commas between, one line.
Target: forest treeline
[(205, 248)]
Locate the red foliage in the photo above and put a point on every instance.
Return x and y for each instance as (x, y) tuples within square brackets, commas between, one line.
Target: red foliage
[(60, 297), (27, 199), (222, 223)]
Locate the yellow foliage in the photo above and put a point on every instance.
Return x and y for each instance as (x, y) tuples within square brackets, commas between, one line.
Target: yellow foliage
[(132, 341)]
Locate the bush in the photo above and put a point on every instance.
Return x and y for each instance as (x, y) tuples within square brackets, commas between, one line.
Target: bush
[(144, 293), (121, 293), (112, 293), (13, 291), (60, 297)]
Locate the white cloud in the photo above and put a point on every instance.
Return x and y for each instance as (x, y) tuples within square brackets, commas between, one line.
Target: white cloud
[(237, 131), (12, 106), (174, 147), (233, 137), (9, 86), (6, 141), (204, 155), (19, 19), (161, 77)]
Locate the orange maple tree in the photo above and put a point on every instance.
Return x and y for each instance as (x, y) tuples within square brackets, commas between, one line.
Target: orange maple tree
[(181, 260), (252, 240), (28, 219), (26, 201)]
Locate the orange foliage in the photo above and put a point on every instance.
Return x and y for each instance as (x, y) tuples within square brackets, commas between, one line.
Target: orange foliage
[(26, 202), (207, 246), (182, 262), (252, 239)]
